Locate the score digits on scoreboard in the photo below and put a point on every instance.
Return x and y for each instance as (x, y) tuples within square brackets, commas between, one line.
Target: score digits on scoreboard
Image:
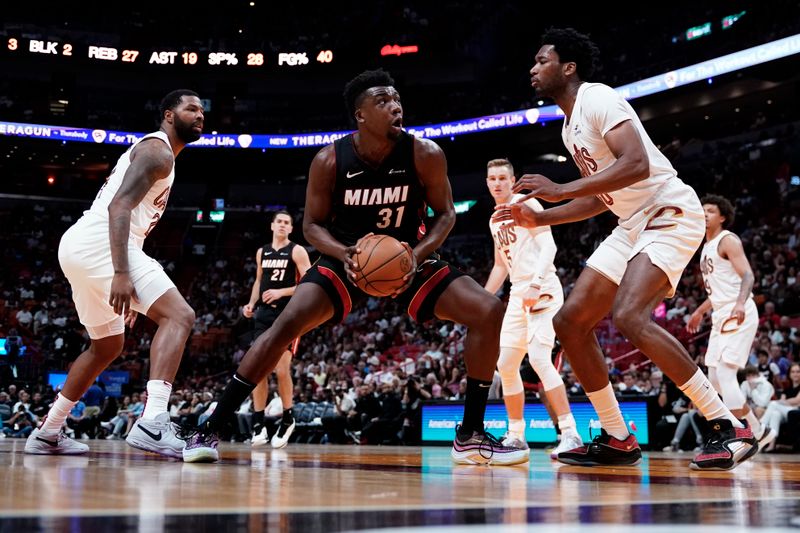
[(36, 46), (95, 52)]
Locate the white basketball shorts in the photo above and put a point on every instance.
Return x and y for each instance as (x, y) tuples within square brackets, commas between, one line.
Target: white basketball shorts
[(731, 342), (669, 230), (520, 326), (85, 257)]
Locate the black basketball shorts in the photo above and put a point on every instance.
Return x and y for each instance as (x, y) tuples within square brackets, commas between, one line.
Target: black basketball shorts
[(264, 316), (432, 278)]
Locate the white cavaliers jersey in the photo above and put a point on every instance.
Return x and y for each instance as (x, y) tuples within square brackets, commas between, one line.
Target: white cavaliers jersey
[(721, 280), (144, 216), (598, 109), (519, 250)]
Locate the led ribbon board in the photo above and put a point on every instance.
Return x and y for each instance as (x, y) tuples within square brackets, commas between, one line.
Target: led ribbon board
[(714, 67), (439, 420)]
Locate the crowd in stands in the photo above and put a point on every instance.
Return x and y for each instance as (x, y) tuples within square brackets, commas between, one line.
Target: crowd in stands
[(364, 380)]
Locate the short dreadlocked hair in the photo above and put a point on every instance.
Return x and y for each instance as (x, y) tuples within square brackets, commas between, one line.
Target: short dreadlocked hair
[(574, 47), (725, 207), (355, 88)]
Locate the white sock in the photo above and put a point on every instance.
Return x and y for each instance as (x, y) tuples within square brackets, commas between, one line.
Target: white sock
[(57, 414), (566, 423), (705, 398), (755, 425), (517, 427), (607, 408), (158, 392)]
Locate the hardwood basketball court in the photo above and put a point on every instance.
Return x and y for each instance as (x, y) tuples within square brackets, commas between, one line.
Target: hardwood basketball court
[(330, 488)]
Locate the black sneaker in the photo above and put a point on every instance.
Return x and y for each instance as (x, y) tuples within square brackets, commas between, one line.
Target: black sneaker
[(725, 447), (604, 450)]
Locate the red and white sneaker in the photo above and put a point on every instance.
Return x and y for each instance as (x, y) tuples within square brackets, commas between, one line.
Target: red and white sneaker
[(604, 450), (725, 447)]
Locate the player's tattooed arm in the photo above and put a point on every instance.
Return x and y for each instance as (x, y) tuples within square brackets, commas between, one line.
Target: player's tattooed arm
[(151, 161)]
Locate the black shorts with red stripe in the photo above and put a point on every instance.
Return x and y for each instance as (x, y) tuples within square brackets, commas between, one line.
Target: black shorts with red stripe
[(264, 316), (432, 278)]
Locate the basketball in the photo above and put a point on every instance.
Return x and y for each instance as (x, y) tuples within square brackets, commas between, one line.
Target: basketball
[(383, 262)]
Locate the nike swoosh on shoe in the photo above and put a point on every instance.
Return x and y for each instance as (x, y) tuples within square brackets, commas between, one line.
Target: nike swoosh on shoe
[(152, 435)]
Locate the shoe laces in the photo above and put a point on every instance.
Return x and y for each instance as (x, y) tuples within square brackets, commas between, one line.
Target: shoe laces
[(595, 439), (489, 442)]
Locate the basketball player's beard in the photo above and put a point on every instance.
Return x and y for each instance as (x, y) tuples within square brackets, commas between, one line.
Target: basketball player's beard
[(186, 132)]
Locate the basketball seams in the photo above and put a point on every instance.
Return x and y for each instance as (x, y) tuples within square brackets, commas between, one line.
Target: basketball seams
[(367, 270), (375, 290), (365, 273), (372, 272), (372, 251), (373, 284)]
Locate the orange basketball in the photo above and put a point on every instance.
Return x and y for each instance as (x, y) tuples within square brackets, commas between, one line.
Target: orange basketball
[(382, 263)]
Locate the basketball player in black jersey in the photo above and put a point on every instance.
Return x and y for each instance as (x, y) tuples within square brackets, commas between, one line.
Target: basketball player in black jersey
[(379, 180), (279, 266)]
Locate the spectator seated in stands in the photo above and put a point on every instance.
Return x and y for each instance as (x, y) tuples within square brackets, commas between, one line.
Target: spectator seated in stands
[(777, 412), (20, 424), (757, 390), (628, 385)]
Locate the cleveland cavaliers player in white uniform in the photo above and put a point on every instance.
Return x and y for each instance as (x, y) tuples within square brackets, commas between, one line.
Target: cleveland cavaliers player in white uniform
[(728, 279), (661, 225), (112, 279), (526, 255)]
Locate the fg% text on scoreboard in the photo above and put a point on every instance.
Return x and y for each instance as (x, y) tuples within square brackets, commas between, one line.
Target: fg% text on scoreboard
[(133, 55)]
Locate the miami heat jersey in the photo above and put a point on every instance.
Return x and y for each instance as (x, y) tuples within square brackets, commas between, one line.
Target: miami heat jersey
[(598, 109), (518, 249), (387, 200), (721, 280), (278, 271), (144, 216)]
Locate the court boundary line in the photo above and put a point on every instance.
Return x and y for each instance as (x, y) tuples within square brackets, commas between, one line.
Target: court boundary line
[(84, 513)]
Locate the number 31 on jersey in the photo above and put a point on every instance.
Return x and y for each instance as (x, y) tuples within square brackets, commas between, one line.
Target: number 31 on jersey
[(391, 217)]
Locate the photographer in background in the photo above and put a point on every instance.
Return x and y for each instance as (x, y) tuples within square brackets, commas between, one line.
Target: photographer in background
[(20, 424), (344, 408), (13, 351), (413, 395)]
